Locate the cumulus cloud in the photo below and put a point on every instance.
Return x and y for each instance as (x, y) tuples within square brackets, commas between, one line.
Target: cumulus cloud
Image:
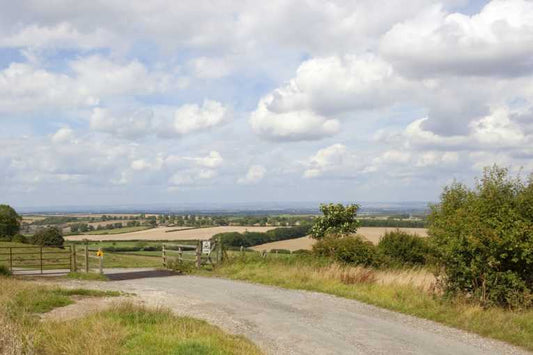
[(322, 88), (255, 174), (335, 160), (211, 68), (292, 125), (192, 117), (498, 41), (28, 87)]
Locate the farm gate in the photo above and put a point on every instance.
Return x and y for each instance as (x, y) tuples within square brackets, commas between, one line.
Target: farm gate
[(31, 259), (199, 252)]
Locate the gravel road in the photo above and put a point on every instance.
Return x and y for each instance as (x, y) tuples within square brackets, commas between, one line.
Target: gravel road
[(298, 322)]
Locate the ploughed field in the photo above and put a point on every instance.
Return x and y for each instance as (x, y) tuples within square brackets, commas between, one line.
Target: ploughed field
[(372, 234), (170, 233)]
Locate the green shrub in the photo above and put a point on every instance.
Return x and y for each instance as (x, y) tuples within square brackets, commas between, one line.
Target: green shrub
[(302, 251), (483, 237), (19, 238), (402, 248), (280, 251), (349, 250), (4, 270), (183, 267), (51, 236)]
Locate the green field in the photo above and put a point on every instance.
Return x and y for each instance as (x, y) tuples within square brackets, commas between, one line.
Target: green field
[(114, 231)]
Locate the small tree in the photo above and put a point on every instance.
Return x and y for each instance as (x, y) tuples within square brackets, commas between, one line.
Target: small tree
[(9, 221), (337, 220), (484, 238), (48, 237)]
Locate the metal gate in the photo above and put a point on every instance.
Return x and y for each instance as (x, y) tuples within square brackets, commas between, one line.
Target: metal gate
[(36, 258)]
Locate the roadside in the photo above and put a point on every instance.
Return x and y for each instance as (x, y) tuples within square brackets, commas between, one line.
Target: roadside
[(284, 321)]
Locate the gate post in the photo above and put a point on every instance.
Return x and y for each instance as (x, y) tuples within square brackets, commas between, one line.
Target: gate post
[(199, 254), (87, 256), (164, 255), (74, 267), (219, 250), (101, 264)]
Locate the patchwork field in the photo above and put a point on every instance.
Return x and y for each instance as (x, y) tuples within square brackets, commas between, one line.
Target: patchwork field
[(371, 233), (170, 233)]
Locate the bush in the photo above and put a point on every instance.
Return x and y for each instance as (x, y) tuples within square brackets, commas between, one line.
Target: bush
[(401, 248), (280, 251), (349, 250), (183, 267), (19, 238), (483, 239), (48, 237), (4, 271), (302, 252)]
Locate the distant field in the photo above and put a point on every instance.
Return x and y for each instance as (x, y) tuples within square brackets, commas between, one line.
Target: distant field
[(170, 233), (371, 233)]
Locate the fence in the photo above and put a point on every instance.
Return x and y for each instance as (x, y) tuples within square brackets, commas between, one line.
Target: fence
[(201, 252), (28, 258)]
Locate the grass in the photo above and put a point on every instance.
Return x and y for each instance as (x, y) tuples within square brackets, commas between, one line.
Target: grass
[(130, 329), (123, 329), (408, 291)]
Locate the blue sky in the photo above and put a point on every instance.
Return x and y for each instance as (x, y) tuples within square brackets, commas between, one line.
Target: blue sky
[(179, 102)]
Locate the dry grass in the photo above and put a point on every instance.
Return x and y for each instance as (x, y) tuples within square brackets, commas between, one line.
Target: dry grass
[(415, 277), (171, 233), (12, 340)]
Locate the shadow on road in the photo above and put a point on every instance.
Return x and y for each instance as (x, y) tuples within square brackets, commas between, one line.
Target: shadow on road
[(140, 275)]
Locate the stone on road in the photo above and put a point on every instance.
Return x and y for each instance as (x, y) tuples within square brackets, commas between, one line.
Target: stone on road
[(284, 321)]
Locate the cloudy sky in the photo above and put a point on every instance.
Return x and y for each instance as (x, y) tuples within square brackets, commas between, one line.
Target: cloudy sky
[(114, 102)]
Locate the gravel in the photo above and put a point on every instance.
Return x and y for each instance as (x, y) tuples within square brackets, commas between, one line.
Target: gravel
[(284, 321)]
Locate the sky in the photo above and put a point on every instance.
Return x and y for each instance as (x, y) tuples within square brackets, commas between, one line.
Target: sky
[(142, 102)]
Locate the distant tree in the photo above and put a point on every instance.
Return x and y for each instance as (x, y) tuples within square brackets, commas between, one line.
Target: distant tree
[(337, 220), (51, 236), (9, 221)]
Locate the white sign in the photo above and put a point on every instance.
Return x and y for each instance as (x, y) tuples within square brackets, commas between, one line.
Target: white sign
[(206, 247)]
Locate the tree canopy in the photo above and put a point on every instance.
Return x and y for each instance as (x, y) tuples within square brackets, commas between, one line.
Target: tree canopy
[(337, 220), (9, 221)]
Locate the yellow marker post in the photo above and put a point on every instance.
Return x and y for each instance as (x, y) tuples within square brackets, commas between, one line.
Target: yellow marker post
[(100, 255)]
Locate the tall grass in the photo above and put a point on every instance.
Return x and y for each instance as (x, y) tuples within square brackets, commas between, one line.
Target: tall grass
[(412, 291)]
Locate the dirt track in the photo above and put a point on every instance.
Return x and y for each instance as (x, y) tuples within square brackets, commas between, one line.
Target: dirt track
[(299, 322)]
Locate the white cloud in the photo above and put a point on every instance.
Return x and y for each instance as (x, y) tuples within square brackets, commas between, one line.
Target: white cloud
[(498, 41), (60, 35), (191, 117), (64, 134), (255, 174), (292, 125), (212, 160), (128, 125), (335, 160), (28, 87), (211, 68)]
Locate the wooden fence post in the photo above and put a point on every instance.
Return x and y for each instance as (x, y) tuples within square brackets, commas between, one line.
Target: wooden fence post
[(41, 259), (11, 259), (87, 256), (199, 254), (73, 256), (219, 250), (101, 264), (164, 255), (180, 255)]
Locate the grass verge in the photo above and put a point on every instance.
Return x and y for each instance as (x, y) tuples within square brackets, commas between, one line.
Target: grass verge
[(407, 291), (124, 329)]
